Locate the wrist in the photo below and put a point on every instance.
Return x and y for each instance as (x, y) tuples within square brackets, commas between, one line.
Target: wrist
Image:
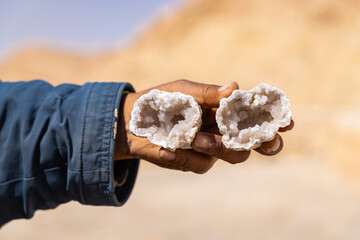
[(122, 148)]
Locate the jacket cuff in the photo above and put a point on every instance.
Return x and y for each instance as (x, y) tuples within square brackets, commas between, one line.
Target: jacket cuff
[(98, 140)]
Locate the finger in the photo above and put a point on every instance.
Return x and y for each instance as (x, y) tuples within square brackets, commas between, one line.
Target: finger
[(288, 127), (141, 148), (212, 145), (272, 147), (208, 117), (211, 129), (206, 95), (188, 160)]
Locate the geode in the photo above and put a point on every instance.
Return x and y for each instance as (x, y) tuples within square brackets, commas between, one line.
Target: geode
[(248, 118), (167, 119)]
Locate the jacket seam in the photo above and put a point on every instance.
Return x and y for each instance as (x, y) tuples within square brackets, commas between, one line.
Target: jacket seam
[(84, 124), (104, 147), (28, 178), (108, 171), (81, 185), (86, 171)]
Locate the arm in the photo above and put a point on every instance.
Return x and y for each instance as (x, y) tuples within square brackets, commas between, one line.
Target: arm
[(57, 144), (71, 142)]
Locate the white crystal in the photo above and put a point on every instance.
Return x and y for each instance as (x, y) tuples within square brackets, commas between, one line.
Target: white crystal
[(170, 120), (248, 118)]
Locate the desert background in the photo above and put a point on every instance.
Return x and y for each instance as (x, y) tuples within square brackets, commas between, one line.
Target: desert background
[(311, 190)]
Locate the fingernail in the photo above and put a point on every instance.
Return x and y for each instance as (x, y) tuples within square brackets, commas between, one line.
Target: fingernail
[(222, 88), (273, 147), (167, 155), (202, 141)]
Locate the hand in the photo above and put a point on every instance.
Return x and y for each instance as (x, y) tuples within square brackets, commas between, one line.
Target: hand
[(207, 145)]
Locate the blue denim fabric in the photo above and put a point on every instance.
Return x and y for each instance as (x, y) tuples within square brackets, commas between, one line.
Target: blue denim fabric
[(57, 145)]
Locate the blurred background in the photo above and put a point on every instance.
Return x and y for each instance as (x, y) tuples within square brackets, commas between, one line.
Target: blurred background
[(308, 48)]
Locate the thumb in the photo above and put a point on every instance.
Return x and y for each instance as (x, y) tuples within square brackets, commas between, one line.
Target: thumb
[(210, 95), (207, 95), (227, 89)]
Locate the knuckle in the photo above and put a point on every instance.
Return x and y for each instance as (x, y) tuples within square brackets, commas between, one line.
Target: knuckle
[(233, 161), (206, 165), (246, 155), (202, 170), (218, 149), (182, 81), (206, 92), (243, 156), (183, 161), (207, 89), (184, 169)]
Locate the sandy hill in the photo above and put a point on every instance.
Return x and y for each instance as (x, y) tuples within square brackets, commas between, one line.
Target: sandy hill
[(309, 48)]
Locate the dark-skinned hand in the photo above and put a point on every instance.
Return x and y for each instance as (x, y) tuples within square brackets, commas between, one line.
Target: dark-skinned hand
[(206, 146)]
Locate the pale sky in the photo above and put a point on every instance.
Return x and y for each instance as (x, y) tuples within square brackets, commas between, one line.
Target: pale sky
[(85, 25)]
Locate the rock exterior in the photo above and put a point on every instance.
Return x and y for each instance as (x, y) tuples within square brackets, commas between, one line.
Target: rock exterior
[(170, 120), (248, 118)]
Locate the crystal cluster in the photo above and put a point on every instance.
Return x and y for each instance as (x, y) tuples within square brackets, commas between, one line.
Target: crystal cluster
[(170, 120), (245, 119), (248, 118)]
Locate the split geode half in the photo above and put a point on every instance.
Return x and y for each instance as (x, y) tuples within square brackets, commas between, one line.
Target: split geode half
[(248, 118), (167, 119), (245, 119)]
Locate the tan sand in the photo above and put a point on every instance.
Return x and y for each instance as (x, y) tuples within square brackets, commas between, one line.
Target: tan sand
[(308, 48)]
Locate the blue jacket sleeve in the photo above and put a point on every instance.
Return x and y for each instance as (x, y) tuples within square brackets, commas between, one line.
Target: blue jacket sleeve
[(57, 145)]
